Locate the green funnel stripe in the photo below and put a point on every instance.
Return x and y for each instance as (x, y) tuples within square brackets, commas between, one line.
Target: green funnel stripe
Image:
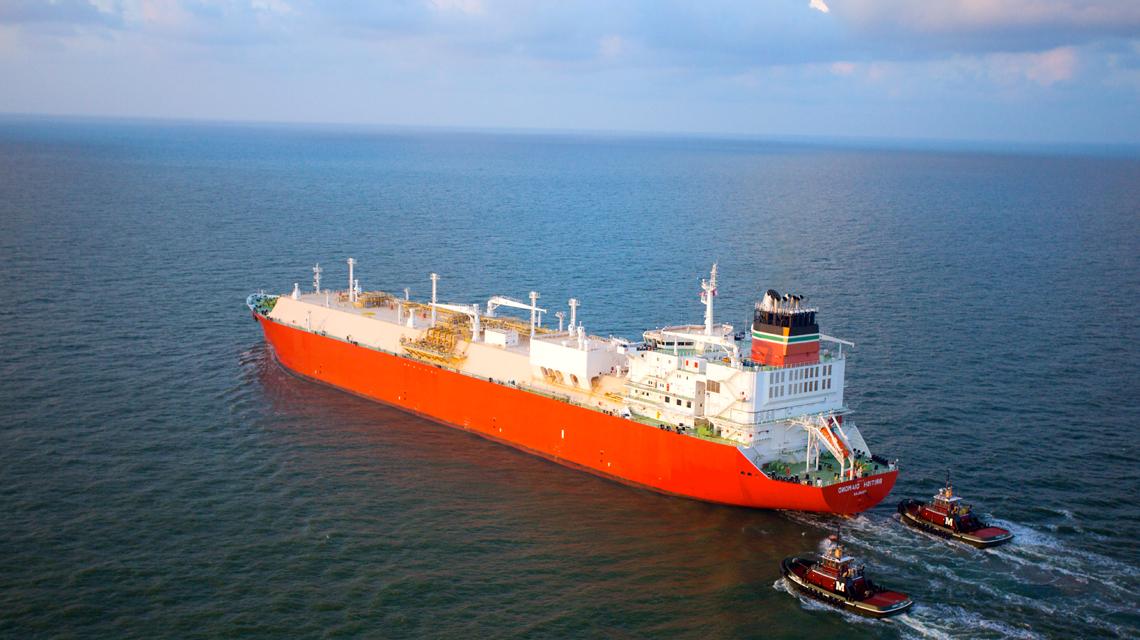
[(771, 337)]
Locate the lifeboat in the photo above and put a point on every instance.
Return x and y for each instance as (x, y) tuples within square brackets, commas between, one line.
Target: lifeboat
[(834, 579), (949, 517)]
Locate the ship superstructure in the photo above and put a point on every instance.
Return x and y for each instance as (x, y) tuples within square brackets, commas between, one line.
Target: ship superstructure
[(682, 411)]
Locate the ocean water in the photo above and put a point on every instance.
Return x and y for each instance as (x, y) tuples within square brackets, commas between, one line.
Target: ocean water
[(161, 476)]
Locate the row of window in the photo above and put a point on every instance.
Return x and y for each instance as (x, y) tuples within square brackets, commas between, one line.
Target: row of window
[(711, 386), (665, 399), (802, 373), (779, 391)]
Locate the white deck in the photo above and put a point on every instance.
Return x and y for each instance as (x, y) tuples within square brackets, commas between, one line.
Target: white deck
[(377, 328)]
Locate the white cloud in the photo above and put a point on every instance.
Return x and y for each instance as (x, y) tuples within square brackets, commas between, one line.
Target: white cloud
[(272, 6), (611, 46), (842, 68), (469, 7), (820, 5), (1045, 68), (951, 16), (969, 74)]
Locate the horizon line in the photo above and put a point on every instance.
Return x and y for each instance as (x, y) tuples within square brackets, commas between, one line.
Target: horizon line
[(892, 142)]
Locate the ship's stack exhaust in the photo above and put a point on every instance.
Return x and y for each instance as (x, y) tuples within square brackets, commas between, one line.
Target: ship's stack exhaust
[(784, 332)]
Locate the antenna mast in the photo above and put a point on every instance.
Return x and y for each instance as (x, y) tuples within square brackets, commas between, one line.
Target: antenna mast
[(434, 282), (708, 292), (533, 311), (573, 313), (317, 277), (351, 281)]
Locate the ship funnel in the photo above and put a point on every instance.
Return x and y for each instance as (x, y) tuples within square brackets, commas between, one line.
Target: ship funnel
[(783, 331)]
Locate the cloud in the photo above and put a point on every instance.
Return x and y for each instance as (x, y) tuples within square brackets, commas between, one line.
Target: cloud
[(611, 46), (1053, 66), (505, 62), (718, 34), (71, 12), (842, 68), (990, 25), (952, 15), (469, 7), (272, 6), (1045, 69)]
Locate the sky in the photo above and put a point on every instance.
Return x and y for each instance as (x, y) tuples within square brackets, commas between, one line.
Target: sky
[(1046, 71)]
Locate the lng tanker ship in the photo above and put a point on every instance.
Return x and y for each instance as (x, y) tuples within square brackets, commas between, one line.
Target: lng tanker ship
[(682, 412)]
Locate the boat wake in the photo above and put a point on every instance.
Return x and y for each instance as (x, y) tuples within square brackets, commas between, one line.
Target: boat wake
[(815, 605), (940, 623), (1032, 547), (950, 621), (1037, 574)]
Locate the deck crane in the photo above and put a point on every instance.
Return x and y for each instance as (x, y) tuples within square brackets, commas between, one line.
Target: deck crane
[(503, 301)]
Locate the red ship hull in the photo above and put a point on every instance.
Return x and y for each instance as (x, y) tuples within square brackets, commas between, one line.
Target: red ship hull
[(607, 445)]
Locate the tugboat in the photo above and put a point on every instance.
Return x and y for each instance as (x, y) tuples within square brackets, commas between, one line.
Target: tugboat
[(949, 517), (835, 580)]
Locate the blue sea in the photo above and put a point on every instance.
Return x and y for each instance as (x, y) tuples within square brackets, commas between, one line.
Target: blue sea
[(161, 476)]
